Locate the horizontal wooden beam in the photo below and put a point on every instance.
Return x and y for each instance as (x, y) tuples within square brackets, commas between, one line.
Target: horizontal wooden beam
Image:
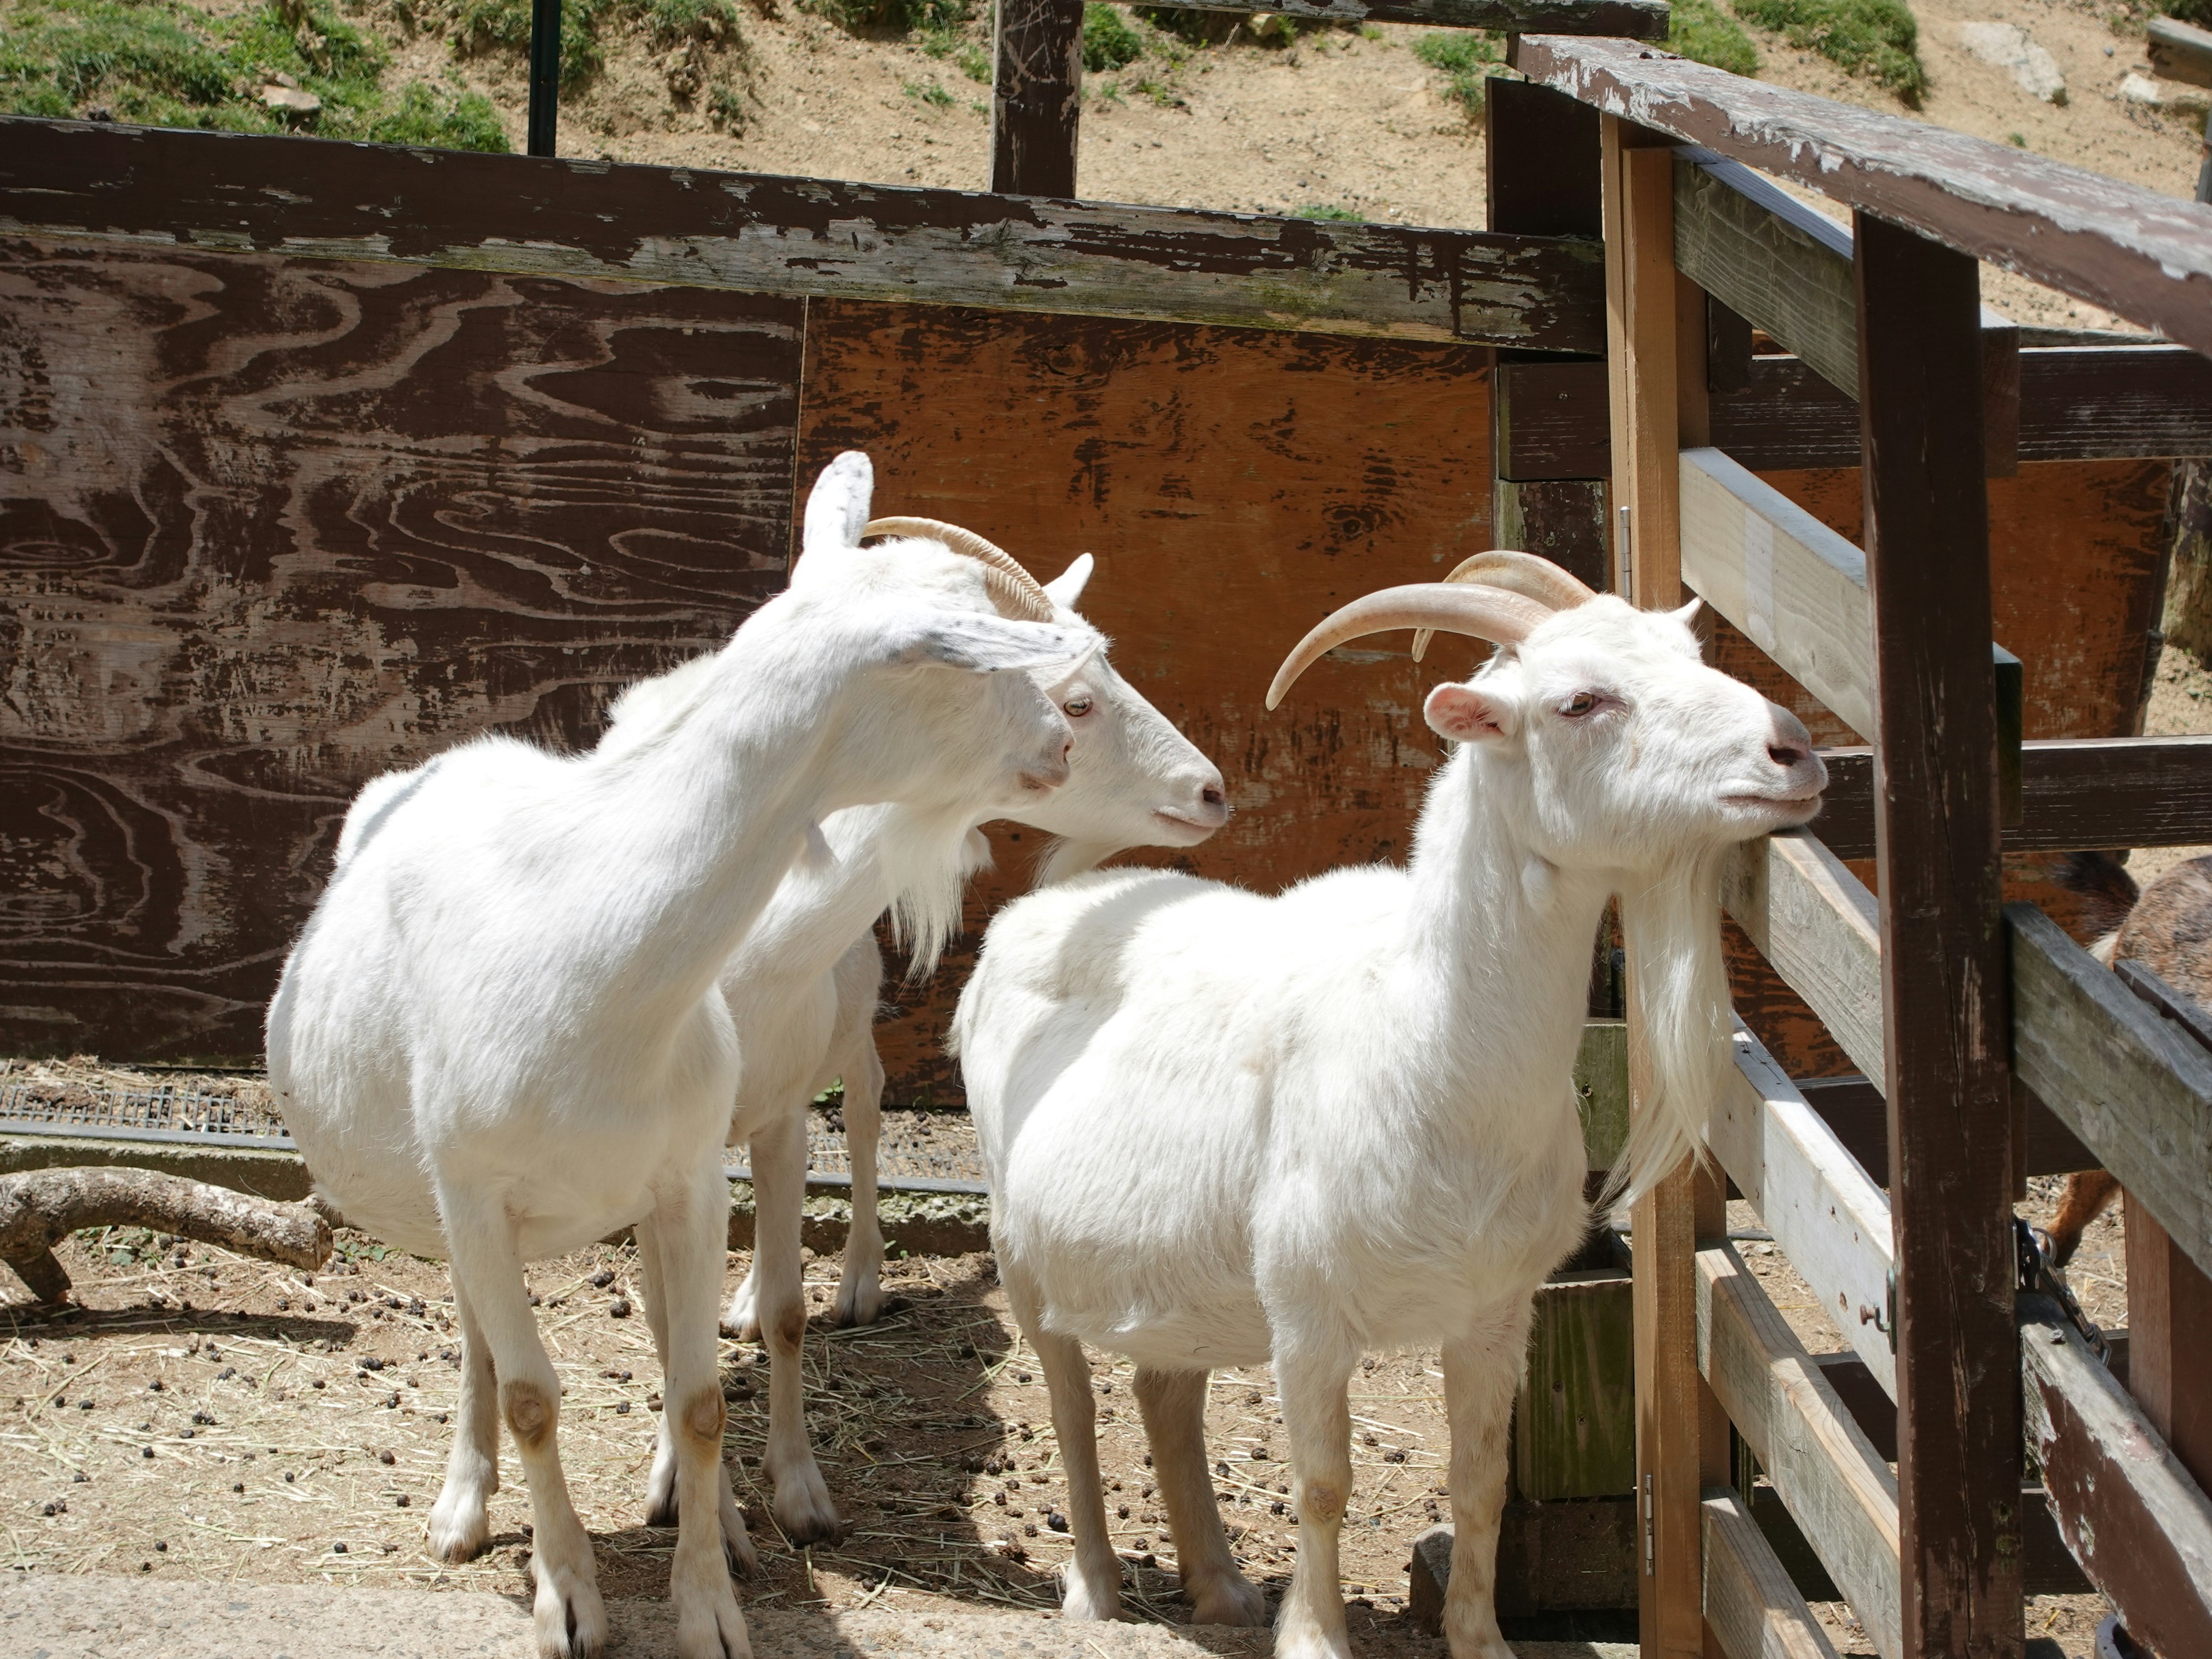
[(2139, 1526), (1754, 1609), (1816, 922), (1632, 20), (75, 183), (2145, 256), (2137, 1092), (1853, 1107), (2075, 793), (1839, 1491), (1823, 1209)]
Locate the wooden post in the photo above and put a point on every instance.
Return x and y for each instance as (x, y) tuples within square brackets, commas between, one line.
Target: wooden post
[(1037, 101), (1944, 1012), (1543, 151), (541, 137), (1671, 1401)]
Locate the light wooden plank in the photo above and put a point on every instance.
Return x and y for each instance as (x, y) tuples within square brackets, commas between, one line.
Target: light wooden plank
[(2136, 1091), (1601, 1091), (1816, 922), (2139, 1526), (1795, 587), (1830, 1218), (1838, 1489), (1754, 1609)]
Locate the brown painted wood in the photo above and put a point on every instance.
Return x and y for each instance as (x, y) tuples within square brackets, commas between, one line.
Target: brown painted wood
[(1235, 486), (1542, 151), (1636, 20), (757, 234), (1036, 99), (2145, 256), (2130, 1513), (2111, 792), (1551, 421), (1564, 520), (276, 525), (1854, 1108), (1942, 945)]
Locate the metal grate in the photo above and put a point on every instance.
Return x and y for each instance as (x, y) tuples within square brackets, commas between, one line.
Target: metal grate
[(943, 1160)]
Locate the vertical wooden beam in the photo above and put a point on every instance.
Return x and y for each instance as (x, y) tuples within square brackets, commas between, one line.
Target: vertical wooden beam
[(1543, 151), (1942, 945), (1037, 100), (2170, 1342), (1643, 340)]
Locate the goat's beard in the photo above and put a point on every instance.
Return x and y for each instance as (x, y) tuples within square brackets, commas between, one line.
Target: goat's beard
[(1670, 928), (928, 870)]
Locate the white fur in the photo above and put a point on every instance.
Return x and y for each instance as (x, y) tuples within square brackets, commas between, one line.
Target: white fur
[(502, 1035), (1224, 1128), (803, 991)]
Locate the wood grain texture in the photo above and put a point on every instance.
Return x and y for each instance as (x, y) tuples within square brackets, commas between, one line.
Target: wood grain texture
[(2137, 1523), (2145, 256), (1234, 487), (1563, 519), (1753, 1608), (1551, 421), (2136, 1090), (1037, 96), (1839, 1491), (753, 232), (1825, 1210), (273, 525), (1635, 19), (1820, 928), (1574, 1424)]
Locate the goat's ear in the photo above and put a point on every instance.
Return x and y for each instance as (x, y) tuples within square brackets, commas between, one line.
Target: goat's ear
[(1067, 587), (1467, 715), (837, 510), (1697, 618), (985, 644)]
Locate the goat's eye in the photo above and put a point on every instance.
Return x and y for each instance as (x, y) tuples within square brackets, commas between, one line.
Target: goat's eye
[(1580, 704), (1076, 707)]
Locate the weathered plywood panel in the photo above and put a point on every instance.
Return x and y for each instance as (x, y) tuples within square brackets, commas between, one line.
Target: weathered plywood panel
[(1234, 487), (271, 527)]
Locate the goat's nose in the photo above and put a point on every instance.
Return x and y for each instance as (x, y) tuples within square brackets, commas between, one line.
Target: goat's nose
[(1785, 754), (1788, 744), (1213, 796)]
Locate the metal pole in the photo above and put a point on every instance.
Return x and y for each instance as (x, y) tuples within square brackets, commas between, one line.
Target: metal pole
[(545, 75)]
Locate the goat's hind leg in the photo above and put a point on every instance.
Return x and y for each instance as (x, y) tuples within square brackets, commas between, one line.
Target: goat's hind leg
[(1313, 1370), (569, 1619), (1482, 1373), (1093, 1588), (662, 1506), (802, 1504), (860, 1288), (460, 1523), (1173, 1405)]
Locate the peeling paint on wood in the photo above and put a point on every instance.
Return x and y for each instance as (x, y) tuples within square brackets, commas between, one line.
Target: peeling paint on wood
[(271, 526), (550, 216)]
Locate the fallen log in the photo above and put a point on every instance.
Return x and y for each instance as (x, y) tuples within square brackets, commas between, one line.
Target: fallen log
[(41, 1206)]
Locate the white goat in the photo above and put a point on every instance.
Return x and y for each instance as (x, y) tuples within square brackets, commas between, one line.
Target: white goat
[(803, 993), (1224, 1129), (501, 1036)]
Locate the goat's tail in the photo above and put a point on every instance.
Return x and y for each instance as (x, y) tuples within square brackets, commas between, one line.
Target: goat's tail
[(1671, 930)]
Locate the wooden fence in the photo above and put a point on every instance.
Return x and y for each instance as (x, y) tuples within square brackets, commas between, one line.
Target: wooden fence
[(322, 456)]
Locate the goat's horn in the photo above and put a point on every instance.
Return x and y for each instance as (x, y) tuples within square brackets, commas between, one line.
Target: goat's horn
[(1516, 573), (1016, 590), (1480, 611)]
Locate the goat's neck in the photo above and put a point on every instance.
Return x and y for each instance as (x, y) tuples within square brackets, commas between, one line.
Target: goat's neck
[(1497, 939)]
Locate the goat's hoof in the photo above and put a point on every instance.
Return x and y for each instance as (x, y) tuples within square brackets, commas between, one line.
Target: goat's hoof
[(709, 1624), (459, 1528), (741, 1321), (1091, 1595), (1234, 1600), (803, 1511), (660, 1511), (570, 1620), (860, 1303), (1305, 1638)]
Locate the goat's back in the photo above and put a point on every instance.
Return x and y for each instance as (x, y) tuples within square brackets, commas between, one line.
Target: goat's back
[(2170, 929)]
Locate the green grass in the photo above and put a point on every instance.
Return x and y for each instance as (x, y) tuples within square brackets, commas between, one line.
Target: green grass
[(159, 63), (1466, 58), (931, 94), (1109, 42), (1877, 39), (1701, 30), (2198, 12), (1329, 214)]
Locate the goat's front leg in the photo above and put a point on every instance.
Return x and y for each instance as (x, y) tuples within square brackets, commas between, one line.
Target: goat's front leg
[(688, 1235), (570, 1621), (802, 1503), (461, 1524), (662, 1507), (1482, 1373), (1313, 1370), (860, 1288), (1173, 1405), (1093, 1588)]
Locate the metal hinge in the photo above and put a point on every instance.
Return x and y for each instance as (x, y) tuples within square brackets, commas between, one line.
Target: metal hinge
[(2039, 1278)]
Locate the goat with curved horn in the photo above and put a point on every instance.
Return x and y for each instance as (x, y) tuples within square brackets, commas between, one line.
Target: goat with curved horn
[(1516, 573), (1480, 611), (1016, 590)]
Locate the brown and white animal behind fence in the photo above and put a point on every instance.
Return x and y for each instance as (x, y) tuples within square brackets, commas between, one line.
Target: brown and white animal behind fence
[(1225, 1129)]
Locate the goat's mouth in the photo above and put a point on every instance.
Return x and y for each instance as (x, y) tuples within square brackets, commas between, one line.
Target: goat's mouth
[(1184, 828), (1794, 809)]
